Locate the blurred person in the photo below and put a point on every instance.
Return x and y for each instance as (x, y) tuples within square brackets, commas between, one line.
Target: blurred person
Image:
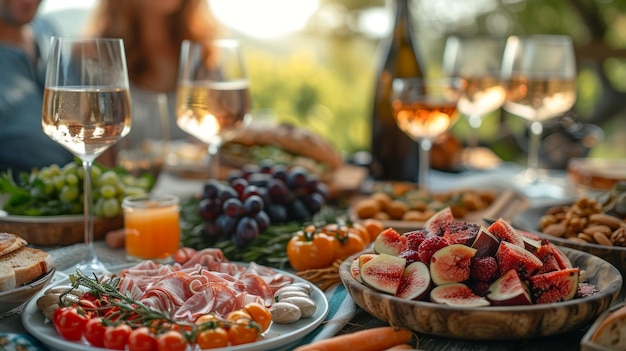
[(24, 44), (153, 32)]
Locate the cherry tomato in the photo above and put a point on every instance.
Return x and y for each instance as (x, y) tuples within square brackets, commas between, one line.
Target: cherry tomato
[(347, 244), (260, 314), (242, 333), (238, 314), (209, 318), (212, 338), (94, 332), (308, 250), (141, 339), (69, 322), (116, 337), (171, 341)]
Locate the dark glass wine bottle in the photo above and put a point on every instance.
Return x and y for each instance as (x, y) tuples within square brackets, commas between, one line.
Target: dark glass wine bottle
[(394, 154)]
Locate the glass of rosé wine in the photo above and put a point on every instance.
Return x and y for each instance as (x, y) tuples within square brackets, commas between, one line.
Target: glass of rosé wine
[(425, 109), (212, 95), (477, 61), (86, 109), (541, 75)]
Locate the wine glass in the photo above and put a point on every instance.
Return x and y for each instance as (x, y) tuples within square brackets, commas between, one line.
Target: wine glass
[(477, 61), (424, 109), (541, 71), (144, 149), (212, 96), (86, 109)]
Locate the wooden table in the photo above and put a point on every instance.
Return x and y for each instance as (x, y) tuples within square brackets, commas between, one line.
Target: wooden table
[(360, 320)]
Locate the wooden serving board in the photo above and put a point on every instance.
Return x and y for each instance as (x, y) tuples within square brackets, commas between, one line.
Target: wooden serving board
[(56, 230)]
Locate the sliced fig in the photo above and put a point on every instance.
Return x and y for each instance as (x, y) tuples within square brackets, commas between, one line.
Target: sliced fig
[(436, 224), (383, 273), (485, 243), (560, 256), (355, 270), (511, 256), (546, 255), (554, 286), (451, 264), (363, 258), (390, 242), (457, 295), (509, 290), (459, 232), (532, 241), (415, 282), (505, 231)]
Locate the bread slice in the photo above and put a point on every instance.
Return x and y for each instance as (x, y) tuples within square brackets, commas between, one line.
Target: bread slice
[(7, 278), (27, 264), (612, 331), (10, 242)]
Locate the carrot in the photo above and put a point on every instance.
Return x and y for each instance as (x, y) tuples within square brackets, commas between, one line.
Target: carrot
[(374, 339), (401, 347)]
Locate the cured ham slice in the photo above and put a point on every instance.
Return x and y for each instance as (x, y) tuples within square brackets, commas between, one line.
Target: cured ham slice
[(206, 283)]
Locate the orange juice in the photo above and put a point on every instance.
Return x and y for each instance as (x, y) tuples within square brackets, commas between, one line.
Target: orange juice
[(152, 226)]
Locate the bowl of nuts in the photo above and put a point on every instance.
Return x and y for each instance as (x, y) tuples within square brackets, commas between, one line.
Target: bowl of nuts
[(405, 206), (594, 224)]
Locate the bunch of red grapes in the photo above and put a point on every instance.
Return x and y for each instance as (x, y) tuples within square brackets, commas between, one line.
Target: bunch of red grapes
[(257, 196)]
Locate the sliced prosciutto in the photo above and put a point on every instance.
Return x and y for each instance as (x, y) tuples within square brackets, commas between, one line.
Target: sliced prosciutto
[(205, 283)]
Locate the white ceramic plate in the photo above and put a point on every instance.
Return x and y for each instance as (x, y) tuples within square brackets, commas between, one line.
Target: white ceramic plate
[(277, 337), (14, 298)]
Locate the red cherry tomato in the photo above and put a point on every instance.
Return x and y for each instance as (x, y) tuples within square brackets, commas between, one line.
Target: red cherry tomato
[(94, 332), (171, 341), (116, 337), (69, 322), (141, 339)]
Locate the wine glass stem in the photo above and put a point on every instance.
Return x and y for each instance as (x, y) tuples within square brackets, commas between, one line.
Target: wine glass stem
[(424, 162), (87, 209), (536, 129), (213, 159)]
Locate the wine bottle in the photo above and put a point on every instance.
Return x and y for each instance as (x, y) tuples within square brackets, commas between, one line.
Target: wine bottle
[(394, 154)]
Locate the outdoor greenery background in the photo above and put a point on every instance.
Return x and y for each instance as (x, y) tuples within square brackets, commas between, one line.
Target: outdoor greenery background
[(322, 77)]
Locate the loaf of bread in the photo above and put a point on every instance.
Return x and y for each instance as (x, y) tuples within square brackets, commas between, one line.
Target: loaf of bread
[(20, 264), (611, 333)]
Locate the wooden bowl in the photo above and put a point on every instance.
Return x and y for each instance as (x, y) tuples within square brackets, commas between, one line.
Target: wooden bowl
[(57, 230), (493, 322), (529, 221)]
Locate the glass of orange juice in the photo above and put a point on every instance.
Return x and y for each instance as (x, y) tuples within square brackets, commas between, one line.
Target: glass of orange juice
[(152, 226)]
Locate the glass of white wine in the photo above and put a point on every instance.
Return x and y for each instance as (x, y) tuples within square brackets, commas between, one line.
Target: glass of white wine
[(541, 75), (477, 61), (86, 109), (213, 95), (424, 109)]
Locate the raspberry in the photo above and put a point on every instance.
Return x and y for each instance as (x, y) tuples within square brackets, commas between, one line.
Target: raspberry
[(410, 256), (483, 269), (481, 288), (429, 246), (415, 238)]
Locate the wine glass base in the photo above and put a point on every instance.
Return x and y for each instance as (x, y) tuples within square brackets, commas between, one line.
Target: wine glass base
[(538, 184), (91, 266)]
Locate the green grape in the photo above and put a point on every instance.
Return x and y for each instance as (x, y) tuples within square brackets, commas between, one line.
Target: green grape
[(110, 208), (128, 180), (96, 172), (109, 177), (97, 207), (54, 169), (71, 179), (44, 173), (108, 191), (134, 190), (71, 168), (59, 182), (69, 193), (48, 187)]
